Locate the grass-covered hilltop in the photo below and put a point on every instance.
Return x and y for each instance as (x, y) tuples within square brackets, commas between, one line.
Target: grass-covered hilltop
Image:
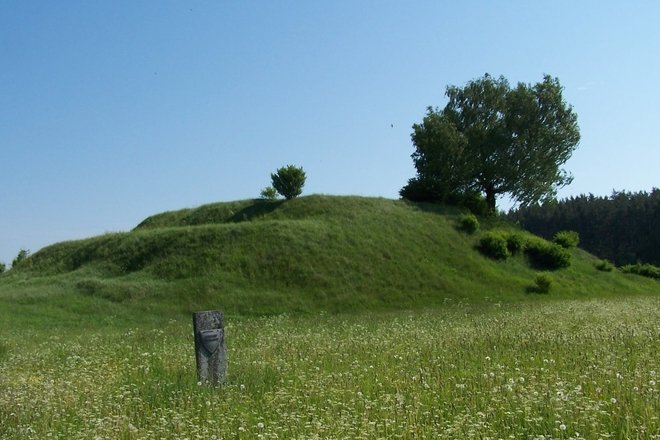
[(315, 253), (345, 317)]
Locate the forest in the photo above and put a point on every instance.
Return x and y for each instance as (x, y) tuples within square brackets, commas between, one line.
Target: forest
[(622, 227)]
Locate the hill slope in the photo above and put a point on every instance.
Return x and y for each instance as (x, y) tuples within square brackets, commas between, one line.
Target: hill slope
[(308, 254)]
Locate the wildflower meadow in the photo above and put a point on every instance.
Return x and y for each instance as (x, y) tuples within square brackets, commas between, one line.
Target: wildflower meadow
[(550, 370)]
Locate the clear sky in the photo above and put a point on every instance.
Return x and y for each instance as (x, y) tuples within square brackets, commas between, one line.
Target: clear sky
[(115, 110)]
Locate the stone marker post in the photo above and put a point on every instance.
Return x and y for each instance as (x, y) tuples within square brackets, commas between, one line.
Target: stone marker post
[(210, 346)]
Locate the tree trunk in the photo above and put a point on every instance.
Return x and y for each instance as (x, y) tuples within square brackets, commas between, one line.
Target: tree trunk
[(490, 196)]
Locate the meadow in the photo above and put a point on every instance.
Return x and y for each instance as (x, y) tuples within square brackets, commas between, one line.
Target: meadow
[(347, 318), (539, 369)]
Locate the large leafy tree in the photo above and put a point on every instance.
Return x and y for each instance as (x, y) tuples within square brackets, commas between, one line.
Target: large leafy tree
[(494, 139)]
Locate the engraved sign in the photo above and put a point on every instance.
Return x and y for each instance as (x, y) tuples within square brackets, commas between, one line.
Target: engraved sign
[(210, 352), (210, 339)]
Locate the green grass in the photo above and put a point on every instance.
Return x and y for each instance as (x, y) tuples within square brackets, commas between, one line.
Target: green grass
[(312, 254), (347, 317), (569, 369)]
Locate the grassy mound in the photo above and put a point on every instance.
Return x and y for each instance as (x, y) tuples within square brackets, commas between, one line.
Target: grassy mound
[(304, 255)]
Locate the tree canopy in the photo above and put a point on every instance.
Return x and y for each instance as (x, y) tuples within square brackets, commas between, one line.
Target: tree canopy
[(289, 181), (492, 139), (622, 228)]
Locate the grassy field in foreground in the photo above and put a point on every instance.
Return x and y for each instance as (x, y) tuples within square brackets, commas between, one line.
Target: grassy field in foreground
[(570, 369)]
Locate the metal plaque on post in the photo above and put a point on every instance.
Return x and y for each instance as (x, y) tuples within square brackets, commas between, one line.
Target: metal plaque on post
[(210, 346)]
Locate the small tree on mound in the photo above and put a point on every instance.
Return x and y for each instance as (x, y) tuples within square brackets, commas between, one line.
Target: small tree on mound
[(23, 254), (268, 193), (289, 181)]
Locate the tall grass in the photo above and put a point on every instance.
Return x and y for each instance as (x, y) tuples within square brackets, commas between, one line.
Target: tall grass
[(573, 369)]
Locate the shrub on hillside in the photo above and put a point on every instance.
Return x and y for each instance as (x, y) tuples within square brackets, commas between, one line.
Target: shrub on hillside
[(515, 243), (289, 181), (468, 223), (268, 193), (567, 239), (430, 191), (645, 270), (605, 266), (422, 191), (23, 255), (548, 256), (543, 283), (471, 200), (493, 244), (2, 267)]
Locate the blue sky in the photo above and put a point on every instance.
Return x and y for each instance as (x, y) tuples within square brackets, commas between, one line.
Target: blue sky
[(113, 111)]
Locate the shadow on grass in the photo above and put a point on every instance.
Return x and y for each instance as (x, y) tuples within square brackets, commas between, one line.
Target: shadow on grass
[(257, 209), (433, 207), (536, 290)]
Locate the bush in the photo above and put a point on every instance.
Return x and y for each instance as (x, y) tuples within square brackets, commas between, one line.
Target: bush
[(515, 243), (289, 181), (645, 270), (543, 283), (605, 266), (430, 191), (422, 191), (22, 256), (471, 200), (3, 268), (493, 244), (468, 223), (546, 255), (268, 193), (567, 239)]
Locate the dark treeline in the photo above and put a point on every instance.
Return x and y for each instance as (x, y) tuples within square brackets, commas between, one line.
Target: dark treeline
[(623, 228)]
